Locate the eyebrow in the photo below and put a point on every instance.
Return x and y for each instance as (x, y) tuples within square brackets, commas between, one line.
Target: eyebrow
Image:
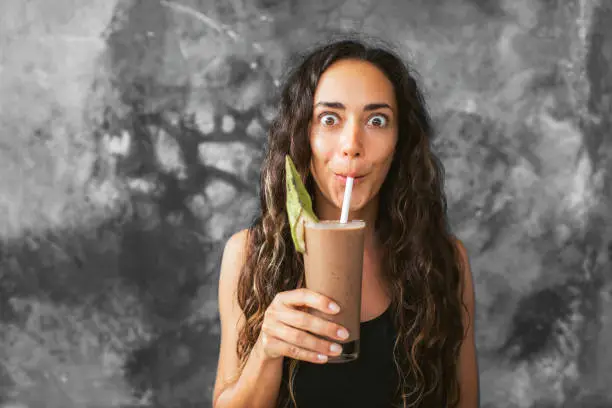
[(368, 107)]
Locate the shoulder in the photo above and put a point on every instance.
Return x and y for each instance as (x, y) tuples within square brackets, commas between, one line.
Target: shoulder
[(236, 246), (230, 316), (463, 259), (467, 281), (468, 361), (462, 251), (232, 262)]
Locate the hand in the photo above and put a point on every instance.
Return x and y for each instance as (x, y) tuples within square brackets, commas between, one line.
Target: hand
[(286, 331)]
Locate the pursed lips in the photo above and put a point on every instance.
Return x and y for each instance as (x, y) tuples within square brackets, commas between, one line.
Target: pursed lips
[(342, 178)]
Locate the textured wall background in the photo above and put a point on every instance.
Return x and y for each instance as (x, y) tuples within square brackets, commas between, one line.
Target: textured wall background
[(130, 144)]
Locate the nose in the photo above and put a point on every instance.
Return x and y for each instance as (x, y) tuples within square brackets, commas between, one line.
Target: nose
[(351, 144)]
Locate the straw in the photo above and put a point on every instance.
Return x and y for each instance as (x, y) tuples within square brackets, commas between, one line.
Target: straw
[(347, 200)]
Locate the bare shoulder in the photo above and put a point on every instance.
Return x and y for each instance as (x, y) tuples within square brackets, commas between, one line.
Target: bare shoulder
[(462, 251), (467, 285), (236, 246), (230, 315), (464, 261), (469, 380), (234, 258)]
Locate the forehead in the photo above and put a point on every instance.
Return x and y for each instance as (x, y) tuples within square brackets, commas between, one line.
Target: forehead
[(354, 82)]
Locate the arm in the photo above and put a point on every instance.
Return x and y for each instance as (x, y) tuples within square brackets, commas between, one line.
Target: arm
[(468, 363), (286, 331), (258, 384)]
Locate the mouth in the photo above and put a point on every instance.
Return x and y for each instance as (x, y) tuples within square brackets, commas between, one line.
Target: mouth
[(342, 178)]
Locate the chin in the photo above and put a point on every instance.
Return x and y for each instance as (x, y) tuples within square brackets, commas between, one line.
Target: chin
[(336, 196), (356, 206)]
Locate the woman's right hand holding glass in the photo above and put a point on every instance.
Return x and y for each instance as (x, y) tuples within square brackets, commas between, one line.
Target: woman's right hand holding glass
[(288, 331)]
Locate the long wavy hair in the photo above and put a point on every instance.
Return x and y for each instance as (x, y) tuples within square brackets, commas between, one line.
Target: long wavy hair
[(421, 263)]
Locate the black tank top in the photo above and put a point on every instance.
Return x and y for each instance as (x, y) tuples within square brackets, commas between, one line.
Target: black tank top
[(370, 381)]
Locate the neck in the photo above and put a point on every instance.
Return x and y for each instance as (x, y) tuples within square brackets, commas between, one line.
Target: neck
[(328, 211)]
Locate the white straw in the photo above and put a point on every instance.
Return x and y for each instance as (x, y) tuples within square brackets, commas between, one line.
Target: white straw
[(346, 203)]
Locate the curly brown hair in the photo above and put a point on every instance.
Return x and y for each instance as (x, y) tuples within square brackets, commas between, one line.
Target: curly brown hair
[(421, 260)]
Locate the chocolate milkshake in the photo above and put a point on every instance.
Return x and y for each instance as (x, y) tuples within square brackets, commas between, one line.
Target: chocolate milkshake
[(333, 264)]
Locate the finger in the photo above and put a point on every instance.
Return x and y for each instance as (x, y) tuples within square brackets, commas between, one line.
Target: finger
[(278, 346), (306, 297), (305, 321), (303, 339)]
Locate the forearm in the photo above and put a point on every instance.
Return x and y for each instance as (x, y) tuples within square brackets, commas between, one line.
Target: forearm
[(258, 385)]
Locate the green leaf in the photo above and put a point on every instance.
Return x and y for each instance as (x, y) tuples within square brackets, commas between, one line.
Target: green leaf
[(299, 204)]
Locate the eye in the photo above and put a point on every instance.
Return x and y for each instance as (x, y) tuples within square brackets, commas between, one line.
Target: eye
[(378, 120), (328, 119)]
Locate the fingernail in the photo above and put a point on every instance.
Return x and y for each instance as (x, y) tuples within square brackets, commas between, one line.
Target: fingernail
[(336, 348), (334, 307), (322, 357), (342, 333)]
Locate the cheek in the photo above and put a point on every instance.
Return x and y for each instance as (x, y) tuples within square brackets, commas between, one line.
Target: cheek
[(390, 155), (384, 151), (320, 147)]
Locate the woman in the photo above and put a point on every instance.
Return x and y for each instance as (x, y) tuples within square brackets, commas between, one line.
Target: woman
[(350, 103)]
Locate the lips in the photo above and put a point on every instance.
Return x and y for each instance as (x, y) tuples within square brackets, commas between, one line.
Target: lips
[(342, 178)]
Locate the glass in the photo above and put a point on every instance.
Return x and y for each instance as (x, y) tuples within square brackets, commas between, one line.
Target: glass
[(333, 265)]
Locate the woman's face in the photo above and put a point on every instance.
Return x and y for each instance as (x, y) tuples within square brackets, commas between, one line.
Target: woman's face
[(353, 132)]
